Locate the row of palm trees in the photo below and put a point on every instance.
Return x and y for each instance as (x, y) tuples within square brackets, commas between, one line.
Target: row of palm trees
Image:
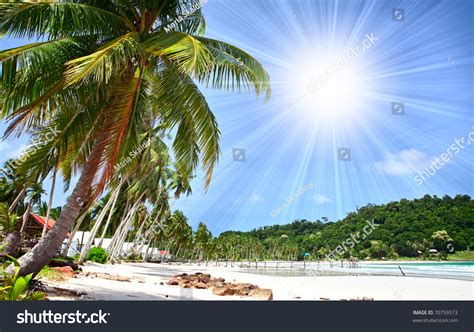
[(126, 218), (106, 77)]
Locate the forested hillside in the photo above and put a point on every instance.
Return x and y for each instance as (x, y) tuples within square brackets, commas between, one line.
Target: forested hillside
[(404, 228)]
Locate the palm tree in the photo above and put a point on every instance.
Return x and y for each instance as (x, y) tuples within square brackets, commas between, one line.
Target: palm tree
[(103, 73), (33, 195), (150, 176), (181, 180), (202, 239), (50, 204), (179, 232), (111, 199)]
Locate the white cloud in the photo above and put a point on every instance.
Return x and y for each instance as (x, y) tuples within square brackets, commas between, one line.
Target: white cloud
[(321, 199), (405, 162), (256, 198)]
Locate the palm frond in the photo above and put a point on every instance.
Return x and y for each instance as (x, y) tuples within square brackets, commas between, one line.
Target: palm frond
[(234, 68), (105, 62), (36, 53), (197, 129), (119, 111), (180, 48), (193, 24), (38, 19)]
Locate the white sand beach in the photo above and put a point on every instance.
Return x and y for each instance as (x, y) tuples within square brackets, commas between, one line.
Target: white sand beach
[(146, 279)]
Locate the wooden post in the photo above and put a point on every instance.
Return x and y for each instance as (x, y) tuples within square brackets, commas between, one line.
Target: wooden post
[(401, 270)]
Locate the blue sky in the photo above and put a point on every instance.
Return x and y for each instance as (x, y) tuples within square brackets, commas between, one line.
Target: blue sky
[(417, 58)]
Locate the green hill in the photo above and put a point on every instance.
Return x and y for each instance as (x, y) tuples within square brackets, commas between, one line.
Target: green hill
[(405, 228)]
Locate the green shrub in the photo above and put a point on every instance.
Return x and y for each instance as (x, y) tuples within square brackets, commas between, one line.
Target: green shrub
[(98, 255)]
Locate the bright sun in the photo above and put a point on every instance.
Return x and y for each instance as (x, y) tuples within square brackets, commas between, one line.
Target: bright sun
[(326, 88)]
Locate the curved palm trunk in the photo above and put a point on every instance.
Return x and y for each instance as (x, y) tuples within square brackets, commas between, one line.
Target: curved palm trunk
[(11, 243), (25, 217), (147, 250), (90, 240), (17, 199), (117, 233), (146, 237), (117, 250), (50, 204), (109, 219), (118, 241), (75, 230), (147, 234), (41, 254), (97, 225), (117, 230), (140, 236)]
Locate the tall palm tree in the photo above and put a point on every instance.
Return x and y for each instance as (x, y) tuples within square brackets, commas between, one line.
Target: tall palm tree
[(50, 203), (202, 239), (179, 232), (102, 73)]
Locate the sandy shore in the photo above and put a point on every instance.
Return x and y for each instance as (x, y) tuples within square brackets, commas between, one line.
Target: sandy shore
[(146, 279)]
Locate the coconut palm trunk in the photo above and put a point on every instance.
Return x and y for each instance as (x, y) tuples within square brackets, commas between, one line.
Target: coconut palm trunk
[(41, 254), (73, 233), (139, 236), (118, 241), (17, 200), (111, 213), (25, 217), (119, 231), (50, 203), (11, 243), (95, 229), (149, 232)]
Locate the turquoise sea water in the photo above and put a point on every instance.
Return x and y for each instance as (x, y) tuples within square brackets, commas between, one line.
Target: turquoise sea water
[(451, 270), (445, 270)]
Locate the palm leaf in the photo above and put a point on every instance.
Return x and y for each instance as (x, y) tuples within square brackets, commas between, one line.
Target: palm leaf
[(118, 113), (105, 62), (197, 129), (185, 50), (234, 68), (37, 19)]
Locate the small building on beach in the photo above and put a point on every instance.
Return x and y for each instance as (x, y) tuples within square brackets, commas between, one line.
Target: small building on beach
[(33, 230)]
